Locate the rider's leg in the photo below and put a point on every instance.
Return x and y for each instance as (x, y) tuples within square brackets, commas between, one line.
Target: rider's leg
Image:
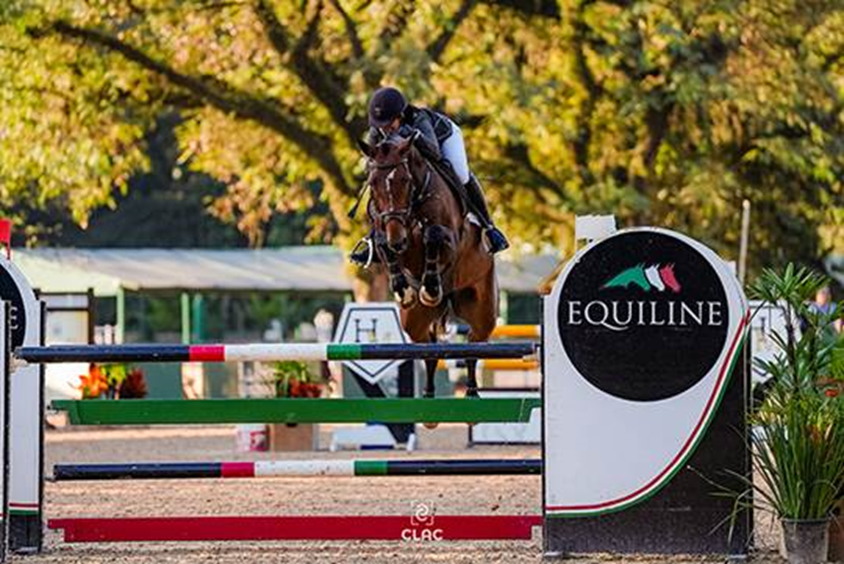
[(496, 239), (454, 151)]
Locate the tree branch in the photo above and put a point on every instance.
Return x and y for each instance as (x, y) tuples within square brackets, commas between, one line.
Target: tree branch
[(351, 30), (396, 22), (314, 74), (437, 47), (583, 137), (518, 153), (223, 97)]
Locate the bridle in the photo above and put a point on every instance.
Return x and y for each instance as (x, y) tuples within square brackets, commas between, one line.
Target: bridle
[(417, 194)]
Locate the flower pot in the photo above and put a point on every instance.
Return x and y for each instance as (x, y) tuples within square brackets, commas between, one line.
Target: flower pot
[(294, 437), (806, 541), (836, 534)]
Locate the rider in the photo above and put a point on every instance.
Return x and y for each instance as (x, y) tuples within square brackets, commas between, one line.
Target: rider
[(438, 138)]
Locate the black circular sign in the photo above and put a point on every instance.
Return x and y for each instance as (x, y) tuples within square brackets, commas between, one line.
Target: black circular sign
[(643, 316), (10, 292)]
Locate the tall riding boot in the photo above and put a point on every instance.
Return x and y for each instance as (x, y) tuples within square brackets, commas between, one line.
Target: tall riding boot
[(495, 238)]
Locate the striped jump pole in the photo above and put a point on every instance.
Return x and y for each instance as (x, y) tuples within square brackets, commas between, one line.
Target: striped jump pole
[(325, 528), (269, 352), (296, 468)]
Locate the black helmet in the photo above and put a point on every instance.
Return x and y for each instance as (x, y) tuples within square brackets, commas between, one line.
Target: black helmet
[(386, 105)]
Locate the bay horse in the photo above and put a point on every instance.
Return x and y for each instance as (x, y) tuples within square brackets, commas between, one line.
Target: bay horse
[(436, 260)]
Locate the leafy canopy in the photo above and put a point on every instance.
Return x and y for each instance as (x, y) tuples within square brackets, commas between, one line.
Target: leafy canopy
[(664, 113)]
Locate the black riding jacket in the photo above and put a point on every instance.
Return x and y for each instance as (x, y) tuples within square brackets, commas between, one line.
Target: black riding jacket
[(434, 128)]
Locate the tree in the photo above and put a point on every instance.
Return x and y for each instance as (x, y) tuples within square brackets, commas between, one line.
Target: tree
[(662, 113)]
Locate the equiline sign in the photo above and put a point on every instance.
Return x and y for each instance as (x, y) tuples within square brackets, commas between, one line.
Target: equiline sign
[(642, 332)]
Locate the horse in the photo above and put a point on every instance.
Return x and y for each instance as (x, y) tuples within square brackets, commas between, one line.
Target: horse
[(437, 264)]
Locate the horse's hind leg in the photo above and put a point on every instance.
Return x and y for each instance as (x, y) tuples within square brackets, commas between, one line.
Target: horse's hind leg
[(430, 376), (478, 307), (420, 323), (472, 383)]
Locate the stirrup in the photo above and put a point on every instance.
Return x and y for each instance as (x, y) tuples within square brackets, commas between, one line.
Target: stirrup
[(363, 257), (495, 240)]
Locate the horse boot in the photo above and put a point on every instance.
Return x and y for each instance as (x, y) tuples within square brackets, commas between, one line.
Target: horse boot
[(364, 252), (495, 238)]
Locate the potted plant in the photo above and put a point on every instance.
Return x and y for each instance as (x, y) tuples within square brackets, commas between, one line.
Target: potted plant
[(112, 381), (798, 429), (293, 379)]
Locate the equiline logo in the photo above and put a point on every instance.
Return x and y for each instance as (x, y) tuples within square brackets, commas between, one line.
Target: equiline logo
[(654, 277), (643, 315), (621, 314)]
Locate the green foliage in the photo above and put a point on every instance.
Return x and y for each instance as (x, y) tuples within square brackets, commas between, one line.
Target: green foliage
[(664, 113), (800, 458), (802, 361), (296, 379), (798, 437)]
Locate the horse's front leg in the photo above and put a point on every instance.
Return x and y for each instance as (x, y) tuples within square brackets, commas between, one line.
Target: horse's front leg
[(404, 293), (438, 242)]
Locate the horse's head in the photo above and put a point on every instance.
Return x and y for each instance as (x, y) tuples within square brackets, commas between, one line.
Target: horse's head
[(389, 168)]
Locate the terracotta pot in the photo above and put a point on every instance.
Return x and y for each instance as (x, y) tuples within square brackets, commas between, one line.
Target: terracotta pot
[(806, 541), (296, 437)]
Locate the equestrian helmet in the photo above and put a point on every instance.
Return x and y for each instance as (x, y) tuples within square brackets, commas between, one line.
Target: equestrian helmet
[(386, 105)]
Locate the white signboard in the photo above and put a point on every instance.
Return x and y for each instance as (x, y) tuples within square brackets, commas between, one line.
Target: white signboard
[(641, 332), (375, 323)]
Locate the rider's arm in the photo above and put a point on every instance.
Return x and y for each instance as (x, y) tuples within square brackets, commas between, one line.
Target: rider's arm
[(426, 141), (374, 136)]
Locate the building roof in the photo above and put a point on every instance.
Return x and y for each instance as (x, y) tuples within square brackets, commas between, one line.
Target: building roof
[(303, 269)]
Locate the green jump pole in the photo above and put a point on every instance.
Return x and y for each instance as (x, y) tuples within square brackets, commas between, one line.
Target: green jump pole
[(298, 410)]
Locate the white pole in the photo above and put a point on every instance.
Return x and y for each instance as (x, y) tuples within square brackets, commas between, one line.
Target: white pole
[(745, 237)]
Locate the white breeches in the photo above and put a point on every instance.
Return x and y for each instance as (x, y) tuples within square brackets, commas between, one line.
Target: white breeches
[(454, 151)]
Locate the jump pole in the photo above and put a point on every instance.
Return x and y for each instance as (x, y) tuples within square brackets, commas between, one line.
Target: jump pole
[(377, 527), (296, 469), (270, 352), (493, 364), (298, 410), (509, 331)]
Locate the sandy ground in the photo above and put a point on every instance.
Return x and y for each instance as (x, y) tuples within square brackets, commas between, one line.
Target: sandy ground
[(300, 496)]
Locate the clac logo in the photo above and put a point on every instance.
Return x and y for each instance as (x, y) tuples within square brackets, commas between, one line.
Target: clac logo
[(620, 315), (422, 526)]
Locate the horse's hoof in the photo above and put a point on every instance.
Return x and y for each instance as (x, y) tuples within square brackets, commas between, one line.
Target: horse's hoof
[(430, 425), (407, 298), (428, 300), (472, 393)]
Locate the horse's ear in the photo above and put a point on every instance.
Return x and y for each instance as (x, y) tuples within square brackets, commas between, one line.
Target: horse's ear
[(365, 147), (404, 145)]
